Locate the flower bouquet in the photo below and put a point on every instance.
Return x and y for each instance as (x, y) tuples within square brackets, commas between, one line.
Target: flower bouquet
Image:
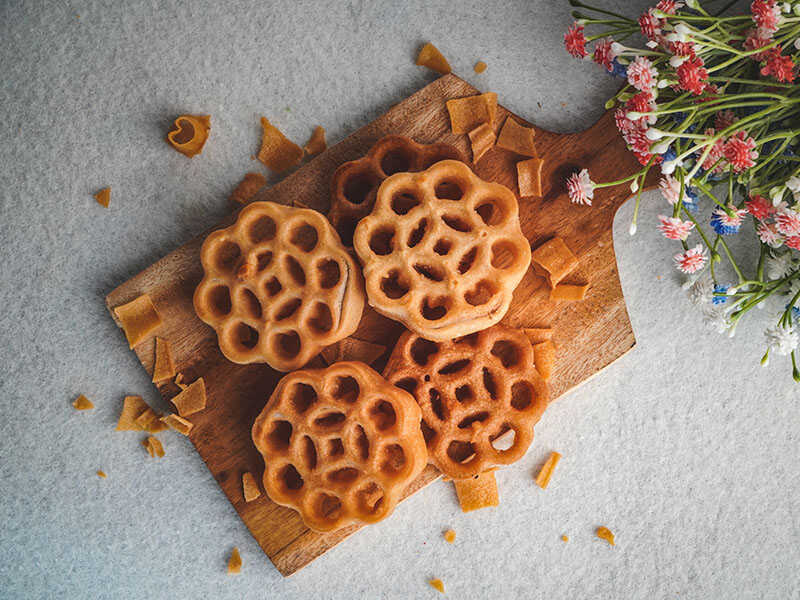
[(711, 101)]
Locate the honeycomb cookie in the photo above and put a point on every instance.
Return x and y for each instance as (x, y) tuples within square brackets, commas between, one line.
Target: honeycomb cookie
[(340, 445), (278, 286), (473, 391), (442, 251), (356, 182)]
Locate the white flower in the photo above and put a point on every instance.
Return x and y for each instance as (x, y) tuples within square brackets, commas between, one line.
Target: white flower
[(668, 167), (778, 266), (701, 292), (670, 188), (714, 317), (781, 340)]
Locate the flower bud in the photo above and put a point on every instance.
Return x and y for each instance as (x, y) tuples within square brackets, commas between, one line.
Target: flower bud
[(682, 29), (662, 147), (632, 228), (633, 115), (617, 48), (653, 134), (662, 83), (668, 167), (635, 185), (677, 61)]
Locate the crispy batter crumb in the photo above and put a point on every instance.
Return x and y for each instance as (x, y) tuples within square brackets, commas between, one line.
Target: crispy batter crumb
[(102, 474), (132, 408), (250, 487), (177, 423), (277, 151), (103, 197), (450, 536), (604, 533), (543, 478), (544, 358), (154, 446), (529, 177), (517, 138), (352, 349), (316, 143), (235, 562), (179, 381), (437, 585), (537, 335), (467, 113), (569, 292), (247, 187), (163, 365), (477, 492), (482, 140), (553, 260), (150, 422), (189, 134), (148, 447), (429, 56), (191, 399), (139, 318), (564, 538), (82, 403), (479, 67)]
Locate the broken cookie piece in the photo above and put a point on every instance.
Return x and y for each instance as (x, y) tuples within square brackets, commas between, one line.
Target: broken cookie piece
[(529, 178), (132, 408), (103, 197), (189, 134), (429, 56), (553, 261), (546, 472), (517, 138), (235, 562), (482, 139), (163, 365), (477, 492), (250, 487), (139, 318), (544, 358), (177, 423), (247, 187), (277, 151), (467, 113), (316, 143), (191, 399), (82, 403)]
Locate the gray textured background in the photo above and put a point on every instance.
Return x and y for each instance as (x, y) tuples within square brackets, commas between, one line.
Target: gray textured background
[(685, 448)]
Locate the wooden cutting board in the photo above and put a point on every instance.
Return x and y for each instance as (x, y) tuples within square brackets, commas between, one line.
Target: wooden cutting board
[(590, 334)]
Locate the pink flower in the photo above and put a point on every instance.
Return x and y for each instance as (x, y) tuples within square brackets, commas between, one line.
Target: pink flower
[(624, 124), (740, 151), (724, 119), (674, 229), (781, 67), (603, 54), (575, 41), (793, 242), (669, 6), (759, 207), (650, 25), (769, 235), (641, 103), (580, 188), (766, 14), (757, 38), (692, 260), (670, 188), (788, 222), (638, 141), (642, 74), (692, 75), (715, 154)]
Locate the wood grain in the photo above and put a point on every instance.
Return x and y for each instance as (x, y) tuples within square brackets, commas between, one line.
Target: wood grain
[(590, 334)]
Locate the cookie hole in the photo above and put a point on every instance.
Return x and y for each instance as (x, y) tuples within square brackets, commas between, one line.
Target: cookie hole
[(335, 447), (481, 294), (346, 227), (263, 260), (321, 319), (301, 397), (381, 241), (360, 442), (422, 349), (245, 336), (346, 388), (227, 255), (394, 458), (442, 247), (449, 189), (287, 309), (408, 384), (437, 406), (185, 132), (279, 436), (428, 433), (521, 395), (430, 272), (296, 271), (396, 160), (330, 420), (504, 254), (507, 352), (457, 223), (490, 213), (291, 478), (343, 476), (329, 273), (249, 303), (416, 235), (287, 344), (369, 498), (219, 299), (434, 309), (329, 506), (273, 287), (489, 383), (504, 439), (478, 417), (459, 451), (467, 260), (262, 229), (383, 415), (455, 367), (403, 202), (309, 453), (394, 285), (304, 237), (464, 394), (358, 186)]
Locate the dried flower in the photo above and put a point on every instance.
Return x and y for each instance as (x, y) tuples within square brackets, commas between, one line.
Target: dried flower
[(642, 74), (580, 188), (781, 340), (575, 41), (778, 65), (740, 151), (766, 14), (604, 54), (674, 228), (759, 207), (692, 260), (692, 76), (768, 234), (788, 222), (727, 224)]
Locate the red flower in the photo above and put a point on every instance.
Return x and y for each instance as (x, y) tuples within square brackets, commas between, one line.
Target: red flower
[(779, 66), (650, 26), (603, 54), (641, 103), (624, 124), (668, 6), (724, 119), (759, 207), (716, 152), (644, 158), (692, 76), (757, 38), (793, 242), (575, 41), (740, 151), (682, 49), (766, 14)]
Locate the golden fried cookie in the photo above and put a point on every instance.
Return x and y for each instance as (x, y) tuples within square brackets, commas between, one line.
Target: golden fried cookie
[(340, 445), (355, 182), (278, 286), (472, 391), (442, 250)]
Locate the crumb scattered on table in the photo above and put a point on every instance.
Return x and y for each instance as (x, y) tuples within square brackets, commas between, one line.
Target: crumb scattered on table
[(437, 585), (450, 536), (479, 67), (103, 197), (235, 562), (102, 474), (543, 478), (429, 56), (604, 533), (82, 403)]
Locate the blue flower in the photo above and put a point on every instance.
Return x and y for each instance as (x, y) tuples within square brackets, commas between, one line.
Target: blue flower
[(618, 70), (724, 224), (690, 199), (720, 289), (795, 313), (669, 154)]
